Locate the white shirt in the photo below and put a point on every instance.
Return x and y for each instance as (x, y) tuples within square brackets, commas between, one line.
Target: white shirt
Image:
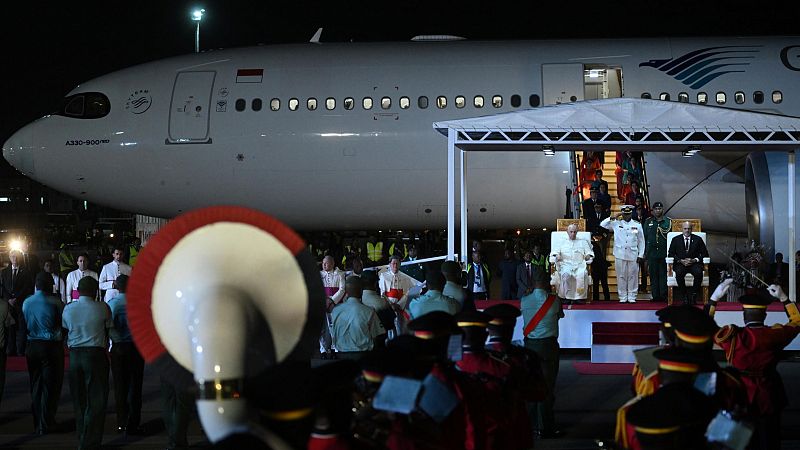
[(388, 280), (628, 238), (333, 279), (109, 274), (72, 281)]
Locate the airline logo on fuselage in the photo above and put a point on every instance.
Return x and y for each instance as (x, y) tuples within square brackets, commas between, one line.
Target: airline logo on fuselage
[(697, 68), (790, 57), (139, 101)]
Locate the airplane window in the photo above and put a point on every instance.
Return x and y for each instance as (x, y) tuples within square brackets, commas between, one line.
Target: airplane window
[(683, 97), (386, 103), (293, 104), (367, 102), (422, 102), (721, 98), (405, 102), (738, 97), (312, 104), (702, 98), (497, 101), (330, 103), (516, 100), (275, 104), (256, 104), (664, 96), (646, 95), (241, 104), (533, 100), (461, 101), (478, 101), (349, 103), (777, 96), (758, 97), (441, 102)]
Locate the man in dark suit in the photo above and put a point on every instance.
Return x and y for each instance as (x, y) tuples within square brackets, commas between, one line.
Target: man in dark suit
[(525, 274), (588, 205), (478, 281), (688, 252), (17, 285), (599, 234)]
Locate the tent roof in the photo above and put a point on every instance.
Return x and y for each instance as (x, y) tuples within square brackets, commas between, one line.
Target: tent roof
[(632, 123)]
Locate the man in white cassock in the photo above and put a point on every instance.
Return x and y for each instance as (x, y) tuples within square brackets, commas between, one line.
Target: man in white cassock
[(571, 259)]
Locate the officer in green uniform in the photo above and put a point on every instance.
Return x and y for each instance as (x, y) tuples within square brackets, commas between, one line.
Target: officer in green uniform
[(656, 228)]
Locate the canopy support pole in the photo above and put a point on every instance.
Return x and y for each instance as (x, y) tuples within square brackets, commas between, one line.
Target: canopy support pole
[(451, 194), (463, 175), (791, 214)]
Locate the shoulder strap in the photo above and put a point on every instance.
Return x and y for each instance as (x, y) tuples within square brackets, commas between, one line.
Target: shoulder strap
[(539, 315)]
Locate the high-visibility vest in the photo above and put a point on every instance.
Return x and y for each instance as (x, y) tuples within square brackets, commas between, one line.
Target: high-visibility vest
[(65, 260), (405, 250), (133, 253), (375, 251)]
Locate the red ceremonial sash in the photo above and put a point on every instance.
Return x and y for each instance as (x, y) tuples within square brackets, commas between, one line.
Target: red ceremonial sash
[(539, 315), (395, 293)]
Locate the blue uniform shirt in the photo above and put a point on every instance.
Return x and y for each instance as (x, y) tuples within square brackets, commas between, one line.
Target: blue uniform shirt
[(433, 301), (119, 316), (87, 322), (548, 326), (43, 316)]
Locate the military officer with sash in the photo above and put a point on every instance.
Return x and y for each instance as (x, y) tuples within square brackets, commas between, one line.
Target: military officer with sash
[(656, 228)]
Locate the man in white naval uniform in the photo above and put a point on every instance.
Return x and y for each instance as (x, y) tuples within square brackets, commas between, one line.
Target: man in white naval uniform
[(628, 251), (110, 272), (75, 276), (571, 259), (395, 284)]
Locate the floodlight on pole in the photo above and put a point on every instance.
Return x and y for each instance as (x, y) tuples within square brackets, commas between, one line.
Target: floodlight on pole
[(197, 16)]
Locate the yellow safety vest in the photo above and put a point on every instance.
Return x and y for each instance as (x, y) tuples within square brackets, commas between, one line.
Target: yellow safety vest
[(133, 253), (375, 251), (65, 260), (405, 250)]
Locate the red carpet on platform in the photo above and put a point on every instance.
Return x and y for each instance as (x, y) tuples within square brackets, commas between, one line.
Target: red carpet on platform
[(638, 306), (588, 368)]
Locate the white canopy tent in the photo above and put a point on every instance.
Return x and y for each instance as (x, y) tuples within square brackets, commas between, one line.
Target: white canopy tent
[(623, 123)]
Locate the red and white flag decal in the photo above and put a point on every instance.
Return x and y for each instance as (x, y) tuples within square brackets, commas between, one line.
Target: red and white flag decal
[(249, 75)]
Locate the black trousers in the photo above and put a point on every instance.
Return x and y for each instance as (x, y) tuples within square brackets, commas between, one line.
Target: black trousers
[(178, 404), (3, 359), (127, 369), (680, 273), (597, 280), (17, 334), (46, 373), (542, 414), (88, 385)]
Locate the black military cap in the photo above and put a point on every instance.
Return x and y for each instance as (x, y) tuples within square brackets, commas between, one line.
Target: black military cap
[(472, 319), (502, 314), (593, 189), (658, 205), (692, 325), (758, 300), (434, 324), (665, 314), (677, 413), (288, 391), (678, 359)]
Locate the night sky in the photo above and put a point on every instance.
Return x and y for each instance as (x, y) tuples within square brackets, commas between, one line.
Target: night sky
[(50, 47)]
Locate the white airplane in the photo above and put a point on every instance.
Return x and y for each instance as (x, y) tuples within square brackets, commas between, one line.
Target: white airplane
[(339, 136)]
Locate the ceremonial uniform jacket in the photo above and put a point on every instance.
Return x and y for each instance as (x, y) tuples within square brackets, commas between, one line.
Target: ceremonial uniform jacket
[(628, 238), (492, 374), (655, 236), (109, 274), (72, 282), (333, 283), (755, 351)]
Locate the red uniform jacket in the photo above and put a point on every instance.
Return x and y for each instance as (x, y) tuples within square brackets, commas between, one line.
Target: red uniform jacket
[(755, 352)]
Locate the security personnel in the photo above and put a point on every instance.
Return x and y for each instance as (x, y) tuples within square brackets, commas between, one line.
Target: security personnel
[(755, 351), (355, 327), (374, 252), (87, 323), (478, 281), (433, 300), (454, 286), (45, 352), (628, 252), (65, 261), (656, 228), (133, 251)]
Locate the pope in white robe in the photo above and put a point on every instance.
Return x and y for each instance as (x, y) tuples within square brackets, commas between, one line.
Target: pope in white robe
[(571, 259)]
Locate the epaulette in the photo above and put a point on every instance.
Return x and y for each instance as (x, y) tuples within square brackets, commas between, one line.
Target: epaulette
[(725, 333), (777, 326)]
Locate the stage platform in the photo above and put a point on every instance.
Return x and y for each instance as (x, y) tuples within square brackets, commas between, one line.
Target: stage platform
[(575, 329)]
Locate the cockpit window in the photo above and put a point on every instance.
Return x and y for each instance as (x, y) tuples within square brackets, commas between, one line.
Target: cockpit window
[(87, 105)]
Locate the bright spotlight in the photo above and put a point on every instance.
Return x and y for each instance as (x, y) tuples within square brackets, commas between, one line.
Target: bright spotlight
[(16, 246), (197, 14)]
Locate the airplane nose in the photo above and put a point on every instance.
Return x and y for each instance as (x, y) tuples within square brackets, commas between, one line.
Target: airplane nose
[(18, 150)]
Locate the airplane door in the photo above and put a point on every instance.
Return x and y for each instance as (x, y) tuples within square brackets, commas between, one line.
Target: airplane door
[(190, 108), (562, 83)]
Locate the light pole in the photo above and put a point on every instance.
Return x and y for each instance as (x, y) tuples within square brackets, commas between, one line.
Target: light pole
[(197, 16)]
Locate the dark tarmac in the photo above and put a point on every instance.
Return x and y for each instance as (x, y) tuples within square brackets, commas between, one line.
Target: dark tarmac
[(585, 410)]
